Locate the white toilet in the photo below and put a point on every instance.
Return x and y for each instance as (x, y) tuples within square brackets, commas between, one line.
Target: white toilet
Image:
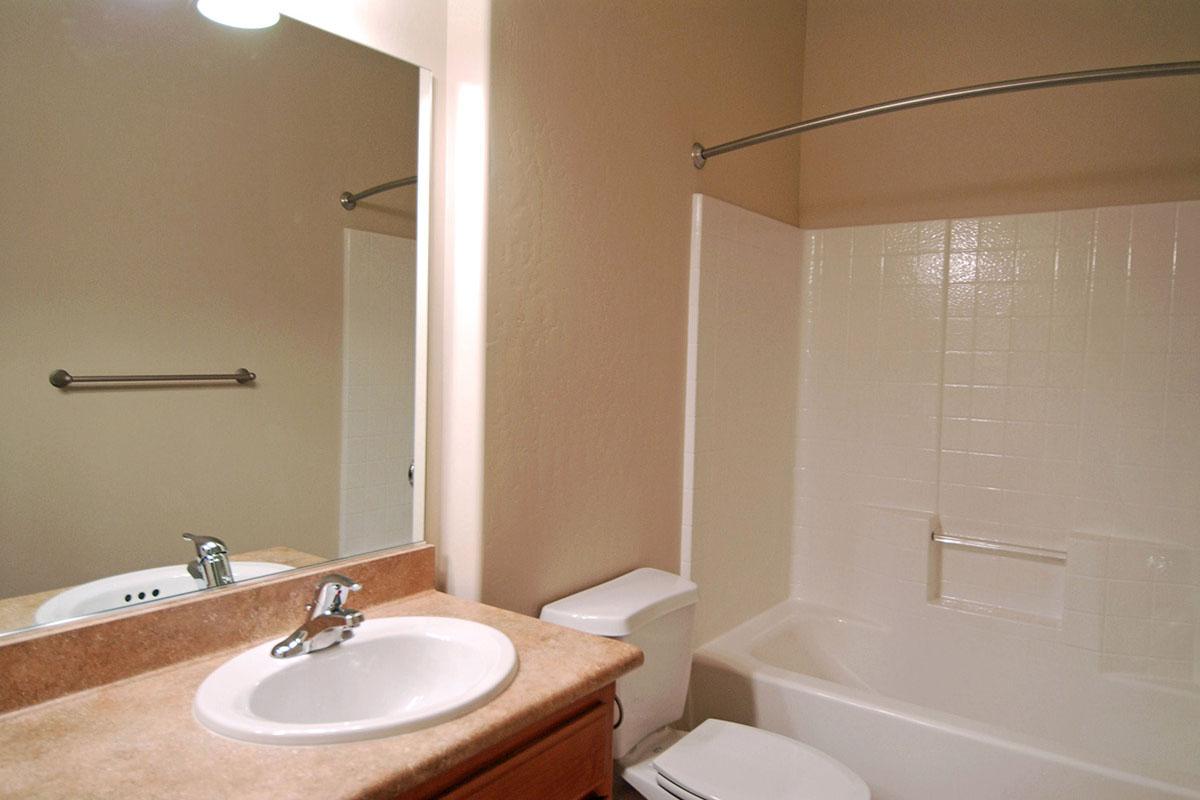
[(718, 760)]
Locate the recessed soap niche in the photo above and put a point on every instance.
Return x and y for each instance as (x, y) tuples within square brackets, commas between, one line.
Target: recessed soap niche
[(1022, 583)]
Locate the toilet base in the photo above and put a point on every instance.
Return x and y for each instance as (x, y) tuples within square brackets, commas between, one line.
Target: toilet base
[(637, 767)]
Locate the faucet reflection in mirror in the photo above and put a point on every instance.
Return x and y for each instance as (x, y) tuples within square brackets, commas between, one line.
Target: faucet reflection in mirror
[(212, 561)]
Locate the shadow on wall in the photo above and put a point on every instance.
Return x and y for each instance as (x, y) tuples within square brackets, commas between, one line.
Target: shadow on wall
[(974, 199), (728, 695)]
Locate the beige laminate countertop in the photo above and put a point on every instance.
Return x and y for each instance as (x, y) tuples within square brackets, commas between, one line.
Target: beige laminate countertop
[(138, 739)]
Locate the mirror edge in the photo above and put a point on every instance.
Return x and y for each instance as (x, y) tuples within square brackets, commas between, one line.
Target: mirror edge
[(421, 356)]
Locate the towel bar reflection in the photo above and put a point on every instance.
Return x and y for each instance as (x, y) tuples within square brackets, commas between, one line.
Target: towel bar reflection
[(62, 379), (1002, 548)]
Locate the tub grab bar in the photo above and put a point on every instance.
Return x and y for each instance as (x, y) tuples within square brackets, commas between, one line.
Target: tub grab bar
[(1001, 548)]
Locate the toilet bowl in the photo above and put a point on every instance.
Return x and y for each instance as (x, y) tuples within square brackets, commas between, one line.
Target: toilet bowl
[(718, 760)]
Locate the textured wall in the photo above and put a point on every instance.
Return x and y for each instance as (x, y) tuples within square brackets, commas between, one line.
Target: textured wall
[(594, 106), (1074, 147)]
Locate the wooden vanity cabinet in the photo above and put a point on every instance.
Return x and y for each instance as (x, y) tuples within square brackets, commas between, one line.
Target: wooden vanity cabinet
[(566, 756)]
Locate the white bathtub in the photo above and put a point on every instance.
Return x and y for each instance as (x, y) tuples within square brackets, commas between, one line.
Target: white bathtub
[(930, 710)]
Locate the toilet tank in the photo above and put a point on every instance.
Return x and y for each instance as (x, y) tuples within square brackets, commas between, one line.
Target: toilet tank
[(653, 610)]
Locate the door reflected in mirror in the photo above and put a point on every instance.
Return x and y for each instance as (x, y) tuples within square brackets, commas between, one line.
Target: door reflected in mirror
[(176, 215)]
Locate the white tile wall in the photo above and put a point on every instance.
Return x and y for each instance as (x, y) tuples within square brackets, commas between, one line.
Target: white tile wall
[(1011, 400), (378, 335), (1033, 378), (1136, 603), (1140, 435), (871, 353)]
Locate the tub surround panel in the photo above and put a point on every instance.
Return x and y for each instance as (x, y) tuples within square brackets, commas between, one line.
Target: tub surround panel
[(1075, 402), (47, 663), (1033, 379), (137, 737), (1017, 319), (743, 356), (1136, 603), (872, 327)]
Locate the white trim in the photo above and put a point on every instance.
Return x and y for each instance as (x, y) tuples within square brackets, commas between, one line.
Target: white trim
[(421, 354)]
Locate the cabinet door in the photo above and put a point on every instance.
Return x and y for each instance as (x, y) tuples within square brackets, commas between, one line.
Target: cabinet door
[(571, 763)]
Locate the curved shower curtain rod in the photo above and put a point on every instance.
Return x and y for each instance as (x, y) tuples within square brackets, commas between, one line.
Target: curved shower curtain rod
[(350, 200), (701, 154)]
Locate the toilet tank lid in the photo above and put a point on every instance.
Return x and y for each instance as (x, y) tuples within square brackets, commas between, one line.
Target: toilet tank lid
[(624, 604)]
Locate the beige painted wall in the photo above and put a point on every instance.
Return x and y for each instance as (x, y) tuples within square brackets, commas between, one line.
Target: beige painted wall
[(178, 213), (593, 108), (1075, 147)]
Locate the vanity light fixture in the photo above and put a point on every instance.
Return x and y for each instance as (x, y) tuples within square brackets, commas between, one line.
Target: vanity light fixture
[(249, 14)]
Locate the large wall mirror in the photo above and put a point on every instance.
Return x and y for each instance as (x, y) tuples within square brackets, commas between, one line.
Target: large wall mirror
[(172, 208)]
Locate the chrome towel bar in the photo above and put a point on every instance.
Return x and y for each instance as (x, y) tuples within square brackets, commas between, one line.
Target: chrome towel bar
[(1001, 548), (62, 379)]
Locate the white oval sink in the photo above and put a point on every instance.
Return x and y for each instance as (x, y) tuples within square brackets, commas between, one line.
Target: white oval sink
[(397, 674), (131, 588)]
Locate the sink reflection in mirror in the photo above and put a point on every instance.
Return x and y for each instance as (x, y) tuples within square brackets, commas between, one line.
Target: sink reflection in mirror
[(188, 220), (135, 588)]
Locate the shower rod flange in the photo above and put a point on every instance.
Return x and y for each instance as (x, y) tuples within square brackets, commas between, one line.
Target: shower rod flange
[(350, 199)]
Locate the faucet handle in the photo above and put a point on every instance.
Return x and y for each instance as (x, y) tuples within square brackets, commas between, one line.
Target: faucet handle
[(208, 548), (206, 545), (331, 591)]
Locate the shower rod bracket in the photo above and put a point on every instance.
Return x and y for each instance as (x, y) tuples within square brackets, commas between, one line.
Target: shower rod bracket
[(701, 154), (350, 199)]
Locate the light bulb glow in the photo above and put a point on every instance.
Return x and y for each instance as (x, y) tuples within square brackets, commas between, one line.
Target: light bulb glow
[(251, 14)]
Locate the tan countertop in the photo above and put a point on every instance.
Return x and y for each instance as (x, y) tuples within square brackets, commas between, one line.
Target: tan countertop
[(137, 738)]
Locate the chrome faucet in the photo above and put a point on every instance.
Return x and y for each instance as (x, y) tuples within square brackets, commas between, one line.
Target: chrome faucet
[(328, 623), (212, 561)]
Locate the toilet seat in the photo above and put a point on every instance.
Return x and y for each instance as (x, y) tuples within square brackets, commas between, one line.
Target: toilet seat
[(726, 761)]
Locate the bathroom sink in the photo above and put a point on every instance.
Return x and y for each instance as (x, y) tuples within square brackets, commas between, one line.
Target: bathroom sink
[(132, 588), (396, 674)]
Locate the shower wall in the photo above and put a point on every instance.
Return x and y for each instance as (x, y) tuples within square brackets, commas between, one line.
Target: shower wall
[(743, 363), (1032, 379)]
